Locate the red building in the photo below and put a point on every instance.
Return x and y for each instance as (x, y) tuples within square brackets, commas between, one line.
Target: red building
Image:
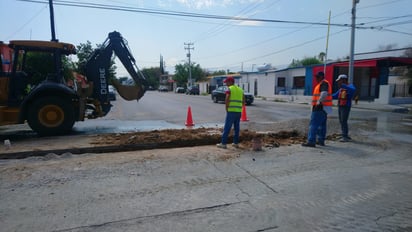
[(369, 74)]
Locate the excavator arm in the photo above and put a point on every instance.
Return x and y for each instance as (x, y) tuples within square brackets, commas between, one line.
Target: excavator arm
[(119, 45), (97, 70)]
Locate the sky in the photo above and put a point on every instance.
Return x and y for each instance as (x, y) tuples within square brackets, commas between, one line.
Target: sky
[(281, 30)]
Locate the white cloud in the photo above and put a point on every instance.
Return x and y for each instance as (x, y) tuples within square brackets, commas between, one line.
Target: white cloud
[(173, 61), (202, 4), (197, 4)]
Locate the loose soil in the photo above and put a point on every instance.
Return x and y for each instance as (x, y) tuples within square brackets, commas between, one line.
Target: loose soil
[(196, 137), (269, 135), (253, 136)]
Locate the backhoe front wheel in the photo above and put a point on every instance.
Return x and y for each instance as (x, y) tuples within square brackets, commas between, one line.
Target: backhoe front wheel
[(51, 116)]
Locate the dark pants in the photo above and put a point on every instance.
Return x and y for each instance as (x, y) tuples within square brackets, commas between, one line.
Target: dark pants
[(232, 118), (343, 119), (317, 127)]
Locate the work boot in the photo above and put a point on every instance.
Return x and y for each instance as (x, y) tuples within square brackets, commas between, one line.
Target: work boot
[(308, 145), (344, 140), (221, 145), (321, 143), (235, 145)]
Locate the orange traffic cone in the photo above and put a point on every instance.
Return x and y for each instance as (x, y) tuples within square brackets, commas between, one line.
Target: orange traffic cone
[(244, 116), (189, 120)]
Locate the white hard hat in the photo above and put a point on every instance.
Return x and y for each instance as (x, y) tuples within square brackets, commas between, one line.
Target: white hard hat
[(342, 76)]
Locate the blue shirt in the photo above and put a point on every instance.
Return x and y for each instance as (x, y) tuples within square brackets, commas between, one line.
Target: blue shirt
[(350, 92)]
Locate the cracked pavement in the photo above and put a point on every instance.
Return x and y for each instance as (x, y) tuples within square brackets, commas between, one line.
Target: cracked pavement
[(359, 186)]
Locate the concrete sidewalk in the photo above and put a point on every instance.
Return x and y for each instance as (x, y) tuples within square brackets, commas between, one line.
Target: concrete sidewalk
[(383, 107), (370, 105), (361, 187)]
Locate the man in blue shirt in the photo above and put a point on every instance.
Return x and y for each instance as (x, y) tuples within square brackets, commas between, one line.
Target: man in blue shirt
[(344, 95)]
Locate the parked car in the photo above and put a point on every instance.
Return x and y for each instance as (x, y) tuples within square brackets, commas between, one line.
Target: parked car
[(180, 90), (219, 94), (193, 90), (163, 89), (112, 93)]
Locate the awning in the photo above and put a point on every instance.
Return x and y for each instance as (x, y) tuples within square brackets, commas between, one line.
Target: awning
[(357, 63), (387, 61), (395, 61)]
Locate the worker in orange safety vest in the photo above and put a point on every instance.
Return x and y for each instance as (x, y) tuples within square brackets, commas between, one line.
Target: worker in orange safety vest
[(321, 107)]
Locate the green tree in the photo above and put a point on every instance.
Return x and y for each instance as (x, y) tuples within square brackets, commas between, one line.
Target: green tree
[(310, 61), (295, 63), (152, 75), (322, 56), (219, 72), (84, 52), (182, 73), (307, 61), (40, 64)]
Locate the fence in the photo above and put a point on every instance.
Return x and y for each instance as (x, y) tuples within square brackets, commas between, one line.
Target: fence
[(402, 90)]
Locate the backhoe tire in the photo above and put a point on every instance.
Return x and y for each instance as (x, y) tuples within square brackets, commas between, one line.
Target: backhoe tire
[(51, 116)]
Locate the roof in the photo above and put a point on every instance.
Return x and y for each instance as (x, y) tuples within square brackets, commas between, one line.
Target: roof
[(37, 45), (224, 76), (386, 61)]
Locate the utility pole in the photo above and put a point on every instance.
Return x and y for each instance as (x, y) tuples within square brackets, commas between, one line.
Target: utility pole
[(327, 45), (352, 41), (188, 48)]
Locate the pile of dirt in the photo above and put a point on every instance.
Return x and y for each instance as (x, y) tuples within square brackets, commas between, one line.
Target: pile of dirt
[(196, 137)]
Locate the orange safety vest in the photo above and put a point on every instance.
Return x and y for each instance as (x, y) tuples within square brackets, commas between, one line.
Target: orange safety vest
[(316, 95), (342, 97)]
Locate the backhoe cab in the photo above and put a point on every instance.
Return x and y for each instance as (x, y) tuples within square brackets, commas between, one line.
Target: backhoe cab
[(51, 103)]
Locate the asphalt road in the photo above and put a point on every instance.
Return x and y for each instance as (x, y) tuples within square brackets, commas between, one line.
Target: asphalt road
[(162, 110), (172, 108), (364, 185), (157, 110), (360, 186)]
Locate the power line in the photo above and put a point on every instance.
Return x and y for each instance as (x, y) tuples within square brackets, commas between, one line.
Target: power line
[(272, 38), (244, 11), (220, 17), (382, 19), (221, 27), (178, 13), (400, 32), (25, 24), (291, 47), (380, 4)]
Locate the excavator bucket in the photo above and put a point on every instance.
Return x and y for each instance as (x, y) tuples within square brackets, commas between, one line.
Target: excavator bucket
[(128, 92)]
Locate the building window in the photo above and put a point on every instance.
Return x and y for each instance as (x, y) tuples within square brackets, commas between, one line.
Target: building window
[(299, 82), (281, 82)]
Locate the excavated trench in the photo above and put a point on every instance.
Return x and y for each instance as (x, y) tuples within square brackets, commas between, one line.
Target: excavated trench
[(157, 139), (253, 136), (196, 137)]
